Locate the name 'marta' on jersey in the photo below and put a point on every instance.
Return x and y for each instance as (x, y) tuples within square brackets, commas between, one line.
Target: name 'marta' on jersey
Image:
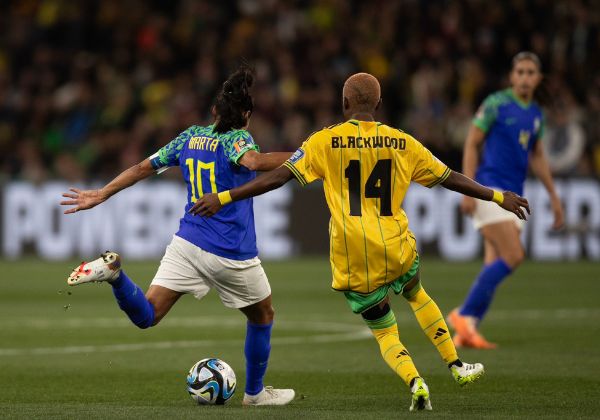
[(208, 162), (366, 168), (512, 128)]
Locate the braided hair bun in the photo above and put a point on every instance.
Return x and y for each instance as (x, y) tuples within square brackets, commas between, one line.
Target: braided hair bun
[(234, 100)]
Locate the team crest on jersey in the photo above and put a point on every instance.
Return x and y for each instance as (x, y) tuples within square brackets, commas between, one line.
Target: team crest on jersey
[(524, 138), (298, 154), (239, 145)]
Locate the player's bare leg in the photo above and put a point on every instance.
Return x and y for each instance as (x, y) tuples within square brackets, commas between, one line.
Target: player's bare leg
[(489, 252), (505, 239), (501, 243), (257, 348), (261, 312), (162, 299)]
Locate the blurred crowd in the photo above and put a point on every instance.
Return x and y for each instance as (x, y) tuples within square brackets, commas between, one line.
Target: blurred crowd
[(89, 88)]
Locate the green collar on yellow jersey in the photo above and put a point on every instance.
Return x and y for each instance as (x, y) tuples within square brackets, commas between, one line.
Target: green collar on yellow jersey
[(356, 122)]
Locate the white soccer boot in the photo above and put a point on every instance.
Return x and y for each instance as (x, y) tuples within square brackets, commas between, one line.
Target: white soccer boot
[(420, 396), (105, 268), (269, 396), (467, 373)]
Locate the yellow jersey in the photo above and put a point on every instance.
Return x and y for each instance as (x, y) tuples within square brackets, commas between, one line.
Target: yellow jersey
[(366, 168)]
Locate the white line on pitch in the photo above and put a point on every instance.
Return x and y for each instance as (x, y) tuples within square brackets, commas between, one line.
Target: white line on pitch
[(342, 332), (535, 314), (403, 318), (174, 322), (359, 334)]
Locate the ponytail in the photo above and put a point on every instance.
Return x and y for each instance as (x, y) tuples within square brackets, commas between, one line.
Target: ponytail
[(234, 100)]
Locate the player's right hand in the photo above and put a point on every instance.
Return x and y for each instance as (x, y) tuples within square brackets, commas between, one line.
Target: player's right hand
[(82, 199), (467, 205), (515, 204)]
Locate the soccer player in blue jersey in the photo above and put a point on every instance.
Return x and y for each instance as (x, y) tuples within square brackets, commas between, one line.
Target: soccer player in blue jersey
[(504, 140), (219, 252)]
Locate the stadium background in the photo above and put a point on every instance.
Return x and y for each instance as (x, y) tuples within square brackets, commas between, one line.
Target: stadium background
[(89, 88)]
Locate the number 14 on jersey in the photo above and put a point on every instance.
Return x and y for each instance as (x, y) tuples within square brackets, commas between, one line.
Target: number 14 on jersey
[(378, 185)]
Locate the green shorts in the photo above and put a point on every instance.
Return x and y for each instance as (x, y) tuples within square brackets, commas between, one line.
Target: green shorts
[(360, 302)]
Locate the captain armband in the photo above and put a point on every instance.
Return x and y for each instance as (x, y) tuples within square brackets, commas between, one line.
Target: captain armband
[(156, 163)]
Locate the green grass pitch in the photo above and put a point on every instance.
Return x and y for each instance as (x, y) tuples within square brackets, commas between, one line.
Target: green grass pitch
[(71, 353)]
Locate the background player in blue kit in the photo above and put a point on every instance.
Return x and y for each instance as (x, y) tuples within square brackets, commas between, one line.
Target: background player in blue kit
[(504, 139), (219, 252)]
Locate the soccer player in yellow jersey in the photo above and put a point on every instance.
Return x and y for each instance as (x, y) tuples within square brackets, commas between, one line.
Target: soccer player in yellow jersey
[(366, 168)]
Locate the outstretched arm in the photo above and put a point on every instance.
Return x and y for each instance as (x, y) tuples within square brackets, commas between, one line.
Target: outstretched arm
[(256, 161), (86, 199), (209, 204), (507, 200), (541, 169), (475, 139)]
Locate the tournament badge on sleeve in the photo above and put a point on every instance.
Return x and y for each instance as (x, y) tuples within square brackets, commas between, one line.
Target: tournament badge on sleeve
[(298, 154), (239, 145)]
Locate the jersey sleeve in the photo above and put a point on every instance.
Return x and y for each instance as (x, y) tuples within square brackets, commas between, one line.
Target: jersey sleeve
[(168, 155), (539, 126), (486, 114), (307, 162), (240, 143), (428, 170)]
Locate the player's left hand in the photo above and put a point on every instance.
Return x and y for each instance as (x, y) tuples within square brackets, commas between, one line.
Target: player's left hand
[(557, 210), (515, 204), (208, 205)]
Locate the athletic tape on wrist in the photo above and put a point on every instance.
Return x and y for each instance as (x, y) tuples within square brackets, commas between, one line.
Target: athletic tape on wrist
[(498, 197), (224, 197)]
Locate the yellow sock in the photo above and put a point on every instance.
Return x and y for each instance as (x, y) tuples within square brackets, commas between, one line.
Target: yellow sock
[(392, 350), (432, 322)]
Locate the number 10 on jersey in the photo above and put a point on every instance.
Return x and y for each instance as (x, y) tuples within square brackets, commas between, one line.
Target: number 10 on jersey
[(195, 168)]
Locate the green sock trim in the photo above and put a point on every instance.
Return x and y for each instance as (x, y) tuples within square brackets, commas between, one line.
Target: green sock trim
[(432, 324), (393, 347), (399, 364), (385, 321), (442, 342), (413, 291), (422, 306)]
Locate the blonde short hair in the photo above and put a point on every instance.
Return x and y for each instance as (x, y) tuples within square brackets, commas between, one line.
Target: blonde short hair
[(362, 91)]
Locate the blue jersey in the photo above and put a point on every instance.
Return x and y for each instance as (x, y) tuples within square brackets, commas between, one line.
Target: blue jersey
[(208, 162), (512, 128)]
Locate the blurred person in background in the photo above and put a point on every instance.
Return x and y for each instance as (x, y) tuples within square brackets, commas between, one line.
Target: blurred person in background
[(503, 141)]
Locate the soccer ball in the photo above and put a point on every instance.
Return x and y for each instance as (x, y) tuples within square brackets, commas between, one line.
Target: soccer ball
[(211, 381)]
